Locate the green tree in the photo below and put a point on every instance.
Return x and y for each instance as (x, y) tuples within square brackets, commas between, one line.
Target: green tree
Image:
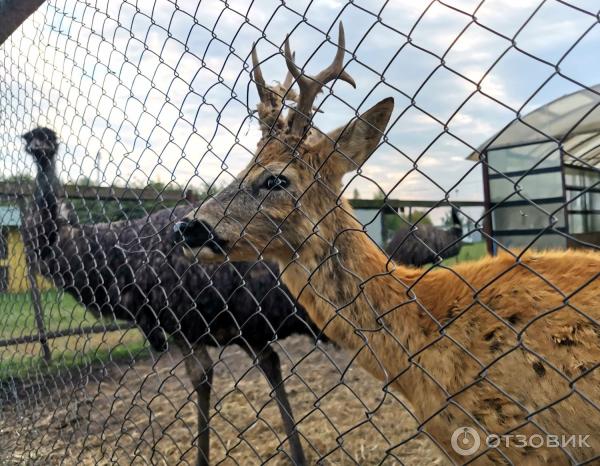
[(393, 222), (415, 215), (18, 178)]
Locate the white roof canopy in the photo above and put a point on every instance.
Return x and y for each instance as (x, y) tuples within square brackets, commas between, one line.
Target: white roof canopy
[(573, 119)]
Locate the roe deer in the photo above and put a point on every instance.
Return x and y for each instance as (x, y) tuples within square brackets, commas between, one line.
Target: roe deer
[(505, 345)]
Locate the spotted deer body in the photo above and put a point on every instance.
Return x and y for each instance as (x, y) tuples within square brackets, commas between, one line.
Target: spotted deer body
[(506, 345)]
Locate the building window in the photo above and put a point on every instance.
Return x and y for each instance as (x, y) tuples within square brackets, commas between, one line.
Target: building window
[(524, 158), (583, 193), (3, 243), (3, 279)]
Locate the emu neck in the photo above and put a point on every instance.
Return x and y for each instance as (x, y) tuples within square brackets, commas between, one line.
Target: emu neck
[(46, 179), (47, 186)]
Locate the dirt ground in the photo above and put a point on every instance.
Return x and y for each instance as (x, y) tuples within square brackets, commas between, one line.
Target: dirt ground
[(144, 413)]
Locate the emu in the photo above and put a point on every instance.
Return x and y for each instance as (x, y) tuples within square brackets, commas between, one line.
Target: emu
[(426, 244), (136, 270), (505, 345)]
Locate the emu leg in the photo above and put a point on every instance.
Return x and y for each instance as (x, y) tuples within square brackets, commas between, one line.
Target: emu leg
[(199, 367), (269, 363)]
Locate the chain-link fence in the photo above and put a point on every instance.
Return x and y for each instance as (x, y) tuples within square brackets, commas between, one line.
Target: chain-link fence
[(182, 280)]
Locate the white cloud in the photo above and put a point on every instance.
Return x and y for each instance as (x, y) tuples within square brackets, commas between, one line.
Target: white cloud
[(147, 97)]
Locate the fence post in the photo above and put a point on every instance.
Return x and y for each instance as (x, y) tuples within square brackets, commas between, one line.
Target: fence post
[(13, 13), (190, 196), (35, 292)]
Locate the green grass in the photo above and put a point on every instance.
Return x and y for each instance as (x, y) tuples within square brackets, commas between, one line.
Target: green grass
[(60, 312), (27, 367), (469, 252)]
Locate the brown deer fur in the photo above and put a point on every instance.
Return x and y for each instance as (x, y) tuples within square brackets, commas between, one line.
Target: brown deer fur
[(483, 345)]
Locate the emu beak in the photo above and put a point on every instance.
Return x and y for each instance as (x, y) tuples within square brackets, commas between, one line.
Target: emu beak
[(199, 236), (178, 230)]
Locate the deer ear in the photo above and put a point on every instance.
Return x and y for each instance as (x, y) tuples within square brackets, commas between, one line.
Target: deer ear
[(355, 142)]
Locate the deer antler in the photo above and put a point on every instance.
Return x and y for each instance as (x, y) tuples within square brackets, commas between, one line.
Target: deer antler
[(289, 78), (271, 97), (266, 97), (311, 86)]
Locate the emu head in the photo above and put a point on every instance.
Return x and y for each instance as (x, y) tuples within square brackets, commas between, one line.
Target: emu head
[(41, 143), (289, 194)]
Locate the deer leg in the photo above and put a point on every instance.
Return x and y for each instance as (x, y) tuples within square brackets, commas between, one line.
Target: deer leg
[(269, 363), (199, 367)]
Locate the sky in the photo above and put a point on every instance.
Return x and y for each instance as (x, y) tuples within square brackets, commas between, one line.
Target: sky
[(160, 90)]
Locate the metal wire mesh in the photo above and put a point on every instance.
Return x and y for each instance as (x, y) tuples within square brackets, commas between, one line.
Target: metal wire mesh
[(118, 346)]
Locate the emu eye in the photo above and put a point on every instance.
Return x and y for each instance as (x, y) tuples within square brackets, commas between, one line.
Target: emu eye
[(274, 183)]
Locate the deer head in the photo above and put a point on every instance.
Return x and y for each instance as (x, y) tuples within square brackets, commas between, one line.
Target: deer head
[(288, 197)]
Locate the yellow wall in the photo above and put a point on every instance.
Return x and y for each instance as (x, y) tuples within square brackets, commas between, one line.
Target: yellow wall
[(17, 276)]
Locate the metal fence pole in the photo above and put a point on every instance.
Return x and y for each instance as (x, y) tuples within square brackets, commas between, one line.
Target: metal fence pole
[(36, 298), (37, 309), (13, 13)]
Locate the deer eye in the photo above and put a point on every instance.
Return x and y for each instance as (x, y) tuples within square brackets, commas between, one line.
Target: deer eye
[(275, 183)]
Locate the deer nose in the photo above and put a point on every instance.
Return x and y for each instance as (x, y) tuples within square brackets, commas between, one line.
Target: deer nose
[(194, 233)]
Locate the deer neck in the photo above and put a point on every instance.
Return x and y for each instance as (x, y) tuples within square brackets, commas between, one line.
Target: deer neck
[(357, 296)]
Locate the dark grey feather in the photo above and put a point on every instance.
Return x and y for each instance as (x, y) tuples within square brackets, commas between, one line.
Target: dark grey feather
[(425, 244)]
